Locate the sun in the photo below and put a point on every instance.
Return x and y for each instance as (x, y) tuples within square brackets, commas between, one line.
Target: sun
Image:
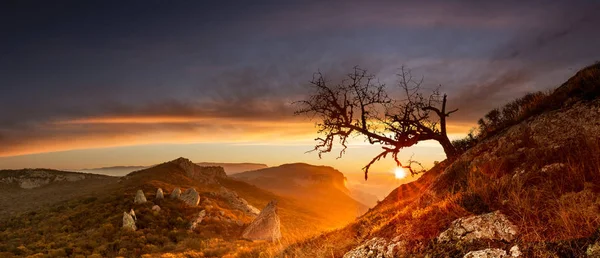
[(399, 172)]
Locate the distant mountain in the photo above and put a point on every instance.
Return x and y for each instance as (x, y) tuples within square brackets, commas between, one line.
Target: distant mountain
[(322, 186), (234, 168), (29, 189), (230, 168)]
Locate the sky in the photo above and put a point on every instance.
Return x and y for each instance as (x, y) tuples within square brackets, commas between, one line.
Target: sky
[(102, 83)]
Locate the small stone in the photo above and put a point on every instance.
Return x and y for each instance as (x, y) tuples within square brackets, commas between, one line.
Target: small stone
[(128, 222), (132, 213), (198, 219), (139, 197), (515, 252), (160, 194), (156, 208), (176, 193)]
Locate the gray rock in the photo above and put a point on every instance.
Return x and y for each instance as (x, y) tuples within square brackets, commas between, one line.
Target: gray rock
[(492, 226), (156, 208), (266, 226), (139, 197), (377, 247), (198, 219), (176, 193), (160, 194), (487, 253), (190, 197), (128, 222)]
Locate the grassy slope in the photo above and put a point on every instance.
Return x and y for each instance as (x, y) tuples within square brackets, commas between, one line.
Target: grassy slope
[(92, 224), (329, 197), (558, 211)]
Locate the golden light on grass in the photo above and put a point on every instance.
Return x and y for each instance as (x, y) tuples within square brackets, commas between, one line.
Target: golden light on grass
[(400, 173)]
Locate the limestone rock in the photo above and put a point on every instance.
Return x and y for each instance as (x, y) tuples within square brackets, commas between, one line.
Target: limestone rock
[(487, 253), (376, 247), (237, 202), (139, 197), (128, 222), (492, 226), (156, 208), (190, 197), (160, 194), (198, 219), (176, 193), (266, 226), (515, 251)]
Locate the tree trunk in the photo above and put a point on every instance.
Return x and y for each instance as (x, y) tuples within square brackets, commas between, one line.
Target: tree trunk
[(449, 149)]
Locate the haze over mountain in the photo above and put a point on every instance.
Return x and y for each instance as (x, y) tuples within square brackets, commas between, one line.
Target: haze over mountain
[(230, 168)]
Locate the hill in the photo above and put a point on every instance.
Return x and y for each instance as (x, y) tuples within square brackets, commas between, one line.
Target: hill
[(234, 168), (91, 225), (322, 187), (529, 186), (29, 189)]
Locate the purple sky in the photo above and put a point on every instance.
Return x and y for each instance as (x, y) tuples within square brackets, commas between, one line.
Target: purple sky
[(232, 69)]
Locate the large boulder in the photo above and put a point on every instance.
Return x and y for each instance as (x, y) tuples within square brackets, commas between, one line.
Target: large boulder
[(376, 247), (266, 226), (491, 226), (160, 194), (237, 202), (176, 193), (190, 197), (128, 222), (139, 197)]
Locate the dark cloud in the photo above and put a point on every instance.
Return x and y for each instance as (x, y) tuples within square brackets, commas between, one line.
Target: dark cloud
[(248, 63)]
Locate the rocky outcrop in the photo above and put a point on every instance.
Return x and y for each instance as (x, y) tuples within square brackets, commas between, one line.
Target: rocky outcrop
[(205, 175), (377, 248), (237, 202), (494, 253), (176, 193), (266, 226), (190, 197), (491, 226), (128, 222), (198, 219), (160, 194), (139, 197)]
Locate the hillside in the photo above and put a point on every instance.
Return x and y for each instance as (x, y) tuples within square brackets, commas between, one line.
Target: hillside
[(530, 188), (322, 187), (92, 224), (29, 189)]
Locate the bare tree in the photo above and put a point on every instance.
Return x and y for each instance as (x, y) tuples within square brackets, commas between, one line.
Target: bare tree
[(360, 105)]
